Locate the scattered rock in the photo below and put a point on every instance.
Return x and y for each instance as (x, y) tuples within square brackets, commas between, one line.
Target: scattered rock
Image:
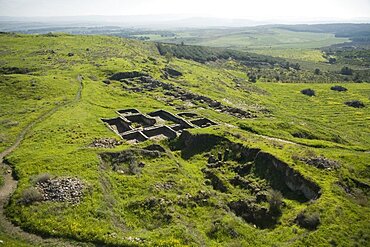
[(62, 190), (155, 147), (338, 88), (126, 75), (308, 92), (215, 165), (172, 72), (219, 156), (148, 83), (254, 213), (107, 81), (355, 104), (321, 162), (71, 54), (216, 182), (165, 186), (14, 70), (262, 196), (135, 240), (212, 159), (245, 184), (105, 143)]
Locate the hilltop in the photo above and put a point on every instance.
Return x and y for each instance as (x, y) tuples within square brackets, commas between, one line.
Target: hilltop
[(215, 151)]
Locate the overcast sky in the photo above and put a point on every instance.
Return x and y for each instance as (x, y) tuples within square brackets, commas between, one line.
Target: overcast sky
[(257, 9)]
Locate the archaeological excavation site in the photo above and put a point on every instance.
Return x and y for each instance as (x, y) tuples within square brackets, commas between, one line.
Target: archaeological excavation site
[(109, 141), (248, 182), (134, 126)]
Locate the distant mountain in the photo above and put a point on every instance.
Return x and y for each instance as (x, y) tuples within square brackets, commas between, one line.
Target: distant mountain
[(147, 22)]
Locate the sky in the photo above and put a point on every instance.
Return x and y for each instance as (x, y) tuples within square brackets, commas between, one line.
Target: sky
[(231, 9)]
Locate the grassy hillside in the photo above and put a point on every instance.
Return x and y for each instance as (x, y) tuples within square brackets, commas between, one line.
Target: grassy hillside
[(260, 37), (176, 198)]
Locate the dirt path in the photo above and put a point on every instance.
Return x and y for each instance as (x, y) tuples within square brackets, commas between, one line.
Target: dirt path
[(10, 185)]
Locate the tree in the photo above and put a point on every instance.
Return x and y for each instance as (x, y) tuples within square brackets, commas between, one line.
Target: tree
[(169, 57), (346, 71), (317, 72), (275, 200), (252, 78), (332, 60), (296, 66)]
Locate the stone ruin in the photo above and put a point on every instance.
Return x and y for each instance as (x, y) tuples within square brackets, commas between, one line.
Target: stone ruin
[(134, 126), (62, 190), (139, 82)]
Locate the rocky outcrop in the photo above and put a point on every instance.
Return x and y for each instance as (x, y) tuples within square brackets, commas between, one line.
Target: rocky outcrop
[(172, 72), (126, 75), (277, 173), (282, 176), (254, 213)]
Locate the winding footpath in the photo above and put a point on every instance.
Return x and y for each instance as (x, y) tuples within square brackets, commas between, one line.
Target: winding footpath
[(10, 185)]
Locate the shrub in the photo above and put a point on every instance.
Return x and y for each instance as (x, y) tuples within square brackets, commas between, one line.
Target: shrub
[(346, 71), (134, 168), (308, 92), (309, 221), (332, 60), (221, 230), (252, 78), (338, 88), (275, 200), (30, 196), (355, 104), (41, 178)]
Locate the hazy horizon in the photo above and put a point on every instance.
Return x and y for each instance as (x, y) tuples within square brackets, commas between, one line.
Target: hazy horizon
[(284, 10)]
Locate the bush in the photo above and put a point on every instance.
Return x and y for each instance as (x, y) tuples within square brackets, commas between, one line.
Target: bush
[(252, 77), (332, 60), (309, 221), (221, 230), (355, 104), (338, 88), (346, 71), (41, 178), (134, 168), (30, 196), (275, 199), (308, 92)]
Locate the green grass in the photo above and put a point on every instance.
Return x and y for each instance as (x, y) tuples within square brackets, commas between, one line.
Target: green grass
[(115, 206), (311, 55), (12, 241), (256, 38)]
